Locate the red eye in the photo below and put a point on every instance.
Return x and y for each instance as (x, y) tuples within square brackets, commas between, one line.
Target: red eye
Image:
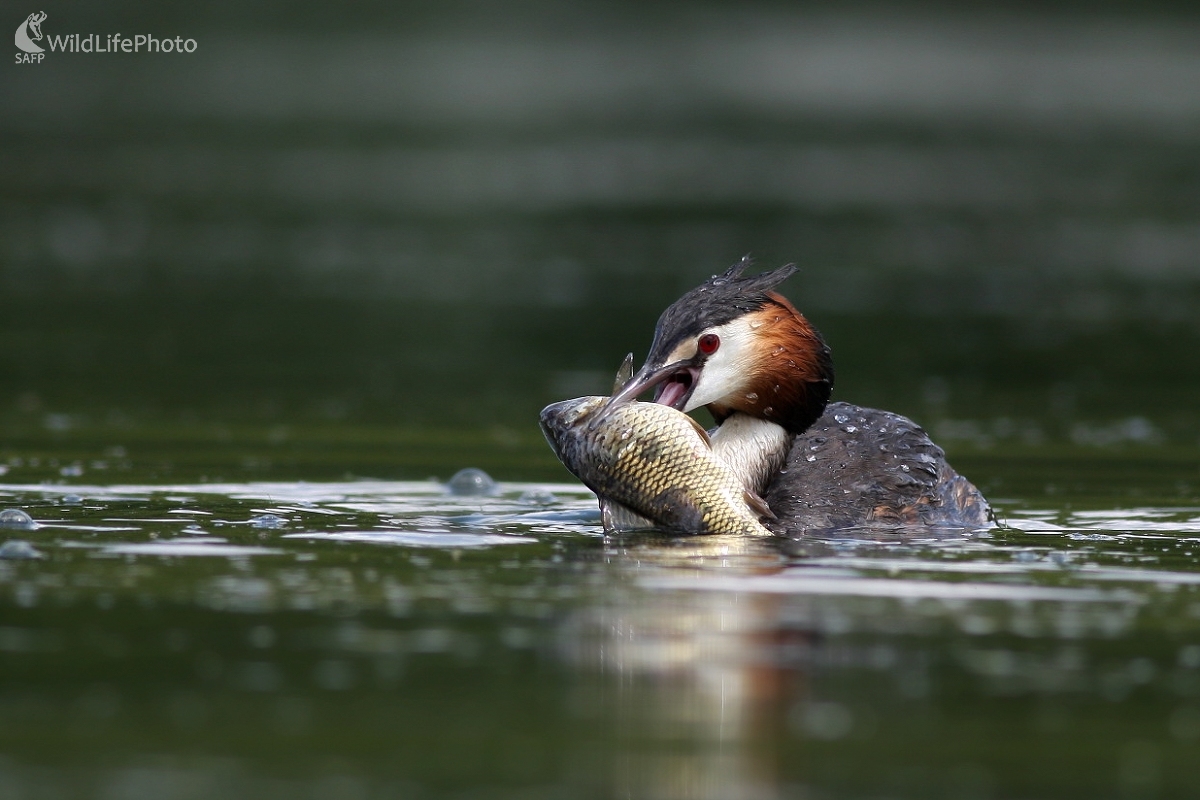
[(709, 343)]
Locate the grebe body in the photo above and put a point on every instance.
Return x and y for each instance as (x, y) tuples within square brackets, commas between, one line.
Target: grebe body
[(862, 466), (738, 348)]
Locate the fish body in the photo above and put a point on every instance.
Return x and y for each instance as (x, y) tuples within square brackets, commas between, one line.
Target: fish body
[(654, 461)]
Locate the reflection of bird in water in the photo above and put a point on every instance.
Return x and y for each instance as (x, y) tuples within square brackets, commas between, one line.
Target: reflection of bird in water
[(704, 687), (738, 348)]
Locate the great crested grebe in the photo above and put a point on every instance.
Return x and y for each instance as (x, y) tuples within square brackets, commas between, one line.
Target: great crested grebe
[(740, 349)]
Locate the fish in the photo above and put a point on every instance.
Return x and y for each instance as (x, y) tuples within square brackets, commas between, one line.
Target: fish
[(650, 465)]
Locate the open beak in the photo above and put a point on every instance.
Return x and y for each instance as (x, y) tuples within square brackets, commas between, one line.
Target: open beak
[(673, 385)]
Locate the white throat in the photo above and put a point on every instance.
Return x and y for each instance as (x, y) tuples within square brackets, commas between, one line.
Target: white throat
[(754, 448)]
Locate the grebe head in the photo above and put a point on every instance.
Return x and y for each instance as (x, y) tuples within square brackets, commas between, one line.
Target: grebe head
[(734, 344)]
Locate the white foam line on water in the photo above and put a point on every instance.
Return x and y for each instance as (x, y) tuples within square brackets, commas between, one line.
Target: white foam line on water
[(1149, 512), (97, 528), (1119, 523), (1129, 527), (899, 565), (1137, 575), (413, 539), (298, 509), (1033, 525), (187, 549), (883, 587), (1076, 571), (330, 492)]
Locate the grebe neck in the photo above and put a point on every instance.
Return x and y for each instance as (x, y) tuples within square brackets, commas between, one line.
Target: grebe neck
[(754, 448)]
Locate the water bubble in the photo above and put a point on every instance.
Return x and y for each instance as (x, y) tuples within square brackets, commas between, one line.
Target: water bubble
[(904, 467), (851, 429), (471, 481), (537, 497), (71, 470), (810, 458), (268, 521), (752, 397), (841, 419), (71, 499), (17, 519), (779, 349), (19, 550)]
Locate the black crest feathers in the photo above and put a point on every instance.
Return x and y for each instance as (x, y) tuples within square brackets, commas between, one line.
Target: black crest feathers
[(717, 301)]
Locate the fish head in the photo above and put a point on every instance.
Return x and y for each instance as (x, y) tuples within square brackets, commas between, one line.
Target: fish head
[(563, 423)]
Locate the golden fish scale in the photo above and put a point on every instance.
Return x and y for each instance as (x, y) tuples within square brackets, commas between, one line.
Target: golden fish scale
[(667, 455)]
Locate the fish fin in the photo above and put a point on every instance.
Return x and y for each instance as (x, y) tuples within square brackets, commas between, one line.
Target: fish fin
[(624, 374), (704, 437), (678, 512), (758, 505), (617, 518)]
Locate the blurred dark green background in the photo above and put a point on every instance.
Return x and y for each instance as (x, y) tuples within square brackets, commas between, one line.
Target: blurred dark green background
[(376, 240)]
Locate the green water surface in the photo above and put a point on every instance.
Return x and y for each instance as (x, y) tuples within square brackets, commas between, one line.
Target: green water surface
[(258, 303)]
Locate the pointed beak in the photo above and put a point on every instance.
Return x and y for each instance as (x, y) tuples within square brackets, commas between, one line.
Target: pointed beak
[(681, 374)]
